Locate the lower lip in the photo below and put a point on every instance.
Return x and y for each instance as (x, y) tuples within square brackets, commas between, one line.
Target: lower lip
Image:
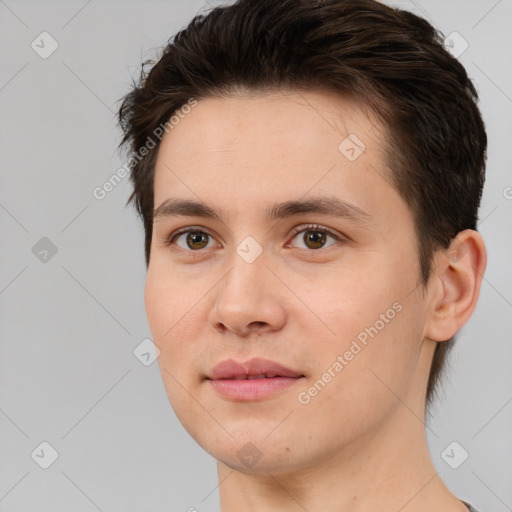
[(253, 389)]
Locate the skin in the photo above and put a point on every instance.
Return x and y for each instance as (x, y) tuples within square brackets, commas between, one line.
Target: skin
[(360, 443)]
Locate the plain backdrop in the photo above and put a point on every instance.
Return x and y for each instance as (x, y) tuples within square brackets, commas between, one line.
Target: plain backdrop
[(72, 272)]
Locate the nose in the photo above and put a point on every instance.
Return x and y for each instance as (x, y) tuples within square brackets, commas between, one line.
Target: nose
[(249, 299)]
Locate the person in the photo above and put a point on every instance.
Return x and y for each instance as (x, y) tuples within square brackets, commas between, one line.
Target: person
[(309, 175)]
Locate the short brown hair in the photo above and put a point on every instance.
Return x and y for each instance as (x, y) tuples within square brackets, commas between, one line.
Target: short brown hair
[(386, 58)]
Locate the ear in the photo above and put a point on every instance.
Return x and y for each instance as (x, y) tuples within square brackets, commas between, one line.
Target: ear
[(456, 284)]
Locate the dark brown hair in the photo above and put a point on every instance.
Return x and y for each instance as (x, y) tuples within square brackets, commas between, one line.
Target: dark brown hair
[(387, 59)]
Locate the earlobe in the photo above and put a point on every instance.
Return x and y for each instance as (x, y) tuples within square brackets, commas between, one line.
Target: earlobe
[(459, 277)]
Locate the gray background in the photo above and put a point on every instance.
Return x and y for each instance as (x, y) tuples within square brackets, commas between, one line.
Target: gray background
[(69, 324)]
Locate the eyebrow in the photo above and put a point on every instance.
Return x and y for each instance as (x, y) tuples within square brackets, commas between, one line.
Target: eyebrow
[(332, 206)]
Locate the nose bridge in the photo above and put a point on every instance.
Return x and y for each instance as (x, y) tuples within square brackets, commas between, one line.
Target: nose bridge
[(247, 279), (248, 294)]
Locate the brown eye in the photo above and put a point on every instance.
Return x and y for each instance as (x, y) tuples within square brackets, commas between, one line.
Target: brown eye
[(314, 239), (196, 239), (190, 240)]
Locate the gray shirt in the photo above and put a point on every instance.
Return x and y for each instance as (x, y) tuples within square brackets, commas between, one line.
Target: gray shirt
[(471, 508)]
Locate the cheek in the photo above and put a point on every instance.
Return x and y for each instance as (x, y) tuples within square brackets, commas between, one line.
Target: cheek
[(348, 303), (159, 303), (168, 310), (389, 359), (175, 310), (377, 333), (168, 313), (168, 301), (367, 381)]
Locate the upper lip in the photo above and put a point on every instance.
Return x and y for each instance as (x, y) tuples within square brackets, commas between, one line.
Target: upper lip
[(231, 369)]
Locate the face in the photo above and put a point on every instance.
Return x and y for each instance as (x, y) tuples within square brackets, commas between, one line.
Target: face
[(303, 255)]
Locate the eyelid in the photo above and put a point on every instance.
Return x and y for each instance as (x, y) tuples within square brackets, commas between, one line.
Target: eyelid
[(316, 227), (186, 229)]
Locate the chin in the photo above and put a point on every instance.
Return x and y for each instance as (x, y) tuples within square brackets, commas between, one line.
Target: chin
[(260, 464), (252, 453)]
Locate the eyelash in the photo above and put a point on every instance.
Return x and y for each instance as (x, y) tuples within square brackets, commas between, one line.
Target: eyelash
[(299, 229)]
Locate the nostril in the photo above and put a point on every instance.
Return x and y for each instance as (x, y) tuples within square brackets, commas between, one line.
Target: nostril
[(259, 324)]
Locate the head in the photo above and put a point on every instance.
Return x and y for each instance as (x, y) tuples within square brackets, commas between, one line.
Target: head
[(256, 104)]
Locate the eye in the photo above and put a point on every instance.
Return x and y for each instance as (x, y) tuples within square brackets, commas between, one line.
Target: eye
[(315, 237), (190, 239)]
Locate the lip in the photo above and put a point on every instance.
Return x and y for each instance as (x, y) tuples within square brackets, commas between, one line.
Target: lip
[(229, 378), (231, 369)]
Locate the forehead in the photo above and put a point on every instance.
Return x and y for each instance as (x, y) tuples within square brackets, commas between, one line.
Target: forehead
[(305, 122), (247, 149)]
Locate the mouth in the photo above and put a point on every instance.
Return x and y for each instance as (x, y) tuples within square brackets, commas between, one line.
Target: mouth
[(251, 380), (260, 376)]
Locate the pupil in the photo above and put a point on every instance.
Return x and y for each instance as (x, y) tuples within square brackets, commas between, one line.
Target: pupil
[(316, 238)]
